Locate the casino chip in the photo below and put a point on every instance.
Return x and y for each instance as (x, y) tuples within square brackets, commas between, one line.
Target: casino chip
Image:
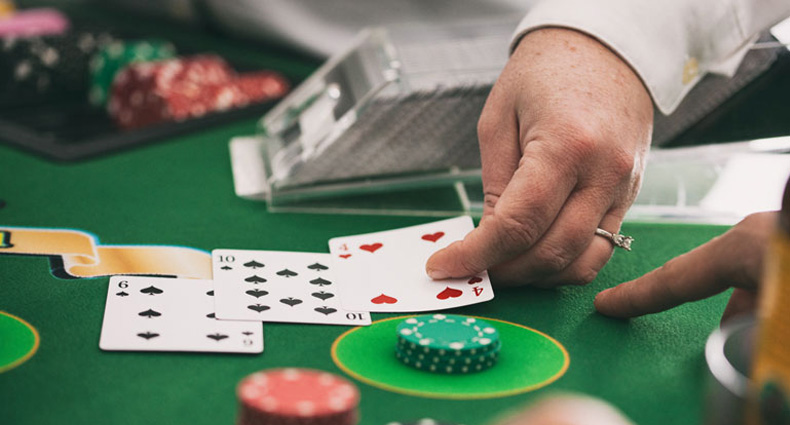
[(297, 397), (47, 69), (110, 59), (179, 89), (450, 344), (148, 93)]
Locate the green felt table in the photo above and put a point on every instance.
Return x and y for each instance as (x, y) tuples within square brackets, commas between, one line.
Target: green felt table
[(180, 192)]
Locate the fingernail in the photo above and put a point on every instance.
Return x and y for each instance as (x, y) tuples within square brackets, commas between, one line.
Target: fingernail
[(601, 294), (437, 274)]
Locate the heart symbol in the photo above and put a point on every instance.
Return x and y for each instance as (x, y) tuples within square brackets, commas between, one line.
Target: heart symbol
[(475, 279), (371, 247), (291, 301), (325, 310), (433, 237), (259, 308), (384, 299), (449, 293), (323, 296), (345, 255)]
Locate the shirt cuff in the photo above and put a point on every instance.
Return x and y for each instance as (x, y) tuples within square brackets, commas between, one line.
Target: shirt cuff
[(669, 45)]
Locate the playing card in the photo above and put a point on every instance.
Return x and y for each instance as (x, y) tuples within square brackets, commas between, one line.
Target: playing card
[(161, 314), (385, 271), (278, 286)]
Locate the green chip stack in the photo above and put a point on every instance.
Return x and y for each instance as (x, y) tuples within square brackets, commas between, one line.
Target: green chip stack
[(450, 344), (112, 58)]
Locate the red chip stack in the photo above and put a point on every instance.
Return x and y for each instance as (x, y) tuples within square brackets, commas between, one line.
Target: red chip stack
[(147, 93), (297, 397), (179, 89)]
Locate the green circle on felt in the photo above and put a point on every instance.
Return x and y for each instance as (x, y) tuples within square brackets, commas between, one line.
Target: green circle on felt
[(19, 341), (528, 360)]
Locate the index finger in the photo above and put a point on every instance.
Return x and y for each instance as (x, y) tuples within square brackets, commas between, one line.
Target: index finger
[(698, 274), (527, 208)]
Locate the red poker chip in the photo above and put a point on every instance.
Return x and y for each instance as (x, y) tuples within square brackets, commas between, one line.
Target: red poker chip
[(298, 394)]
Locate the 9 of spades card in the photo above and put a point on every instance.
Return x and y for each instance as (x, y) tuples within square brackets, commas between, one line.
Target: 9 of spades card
[(163, 314), (385, 271), (279, 286)]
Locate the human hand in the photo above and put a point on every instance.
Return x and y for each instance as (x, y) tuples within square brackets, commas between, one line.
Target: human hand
[(568, 410), (734, 259), (563, 138)]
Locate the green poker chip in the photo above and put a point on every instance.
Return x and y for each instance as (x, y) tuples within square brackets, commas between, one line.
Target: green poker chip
[(447, 343), (115, 56), (410, 347), (452, 333), (449, 365)]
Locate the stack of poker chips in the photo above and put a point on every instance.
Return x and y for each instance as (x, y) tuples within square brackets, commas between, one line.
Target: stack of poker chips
[(148, 93), (113, 57), (297, 397), (139, 82), (449, 344), (48, 68)]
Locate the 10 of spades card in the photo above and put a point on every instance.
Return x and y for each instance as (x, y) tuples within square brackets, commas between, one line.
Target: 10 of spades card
[(165, 314), (385, 271), (277, 286)]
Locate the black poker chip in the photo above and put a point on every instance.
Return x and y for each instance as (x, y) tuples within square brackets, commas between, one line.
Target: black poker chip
[(46, 69)]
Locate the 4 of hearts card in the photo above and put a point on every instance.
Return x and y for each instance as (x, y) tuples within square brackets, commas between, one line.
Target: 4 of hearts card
[(385, 271), (165, 314), (279, 286)]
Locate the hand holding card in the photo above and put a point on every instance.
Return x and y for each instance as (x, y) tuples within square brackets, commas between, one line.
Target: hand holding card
[(385, 271)]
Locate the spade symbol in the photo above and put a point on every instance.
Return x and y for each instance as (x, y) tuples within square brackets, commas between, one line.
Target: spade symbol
[(320, 282), (148, 335), (323, 296), (217, 336), (257, 293), (122, 294), (255, 279), (291, 301), (210, 293), (286, 273), (317, 267), (151, 290), (253, 265), (211, 316), (325, 310), (259, 308), (226, 268), (149, 313)]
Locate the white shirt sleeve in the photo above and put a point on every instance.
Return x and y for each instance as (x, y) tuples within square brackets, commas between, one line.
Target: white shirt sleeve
[(670, 44)]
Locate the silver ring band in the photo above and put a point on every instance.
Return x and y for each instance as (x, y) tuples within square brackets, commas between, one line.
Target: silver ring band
[(618, 240)]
